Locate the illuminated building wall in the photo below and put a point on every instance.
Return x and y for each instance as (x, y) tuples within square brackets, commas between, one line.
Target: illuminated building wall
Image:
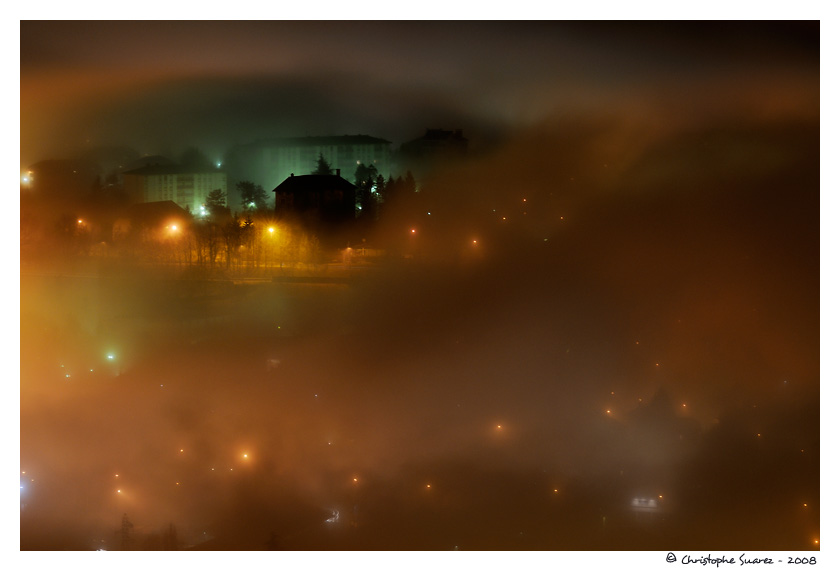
[(270, 162), (185, 187)]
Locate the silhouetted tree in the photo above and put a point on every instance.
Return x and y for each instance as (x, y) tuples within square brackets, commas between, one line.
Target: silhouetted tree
[(410, 184), (208, 240), (215, 202), (364, 173), (364, 178), (379, 187), (215, 198), (388, 189), (247, 237), (254, 196), (322, 166), (232, 234), (125, 533)]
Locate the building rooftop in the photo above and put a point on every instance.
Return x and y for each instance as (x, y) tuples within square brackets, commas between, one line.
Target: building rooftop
[(153, 169), (320, 140), (314, 182)]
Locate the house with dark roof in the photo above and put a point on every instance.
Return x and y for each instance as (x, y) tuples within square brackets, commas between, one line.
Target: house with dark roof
[(316, 199)]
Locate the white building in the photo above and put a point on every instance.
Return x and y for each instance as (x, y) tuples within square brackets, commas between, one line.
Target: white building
[(187, 187)]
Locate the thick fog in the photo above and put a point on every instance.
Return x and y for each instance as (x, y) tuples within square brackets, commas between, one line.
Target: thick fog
[(612, 346), (599, 330)]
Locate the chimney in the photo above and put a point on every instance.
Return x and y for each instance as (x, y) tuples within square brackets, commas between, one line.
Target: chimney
[(337, 172)]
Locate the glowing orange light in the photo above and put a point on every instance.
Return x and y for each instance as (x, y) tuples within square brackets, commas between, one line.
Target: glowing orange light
[(428, 486)]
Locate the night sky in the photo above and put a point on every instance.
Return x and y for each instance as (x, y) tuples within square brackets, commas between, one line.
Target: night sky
[(613, 299)]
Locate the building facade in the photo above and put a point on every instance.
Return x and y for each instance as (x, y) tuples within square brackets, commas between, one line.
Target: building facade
[(186, 187), (270, 162)]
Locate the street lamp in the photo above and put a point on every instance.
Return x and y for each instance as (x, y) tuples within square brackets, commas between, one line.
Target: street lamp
[(268, 246)]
